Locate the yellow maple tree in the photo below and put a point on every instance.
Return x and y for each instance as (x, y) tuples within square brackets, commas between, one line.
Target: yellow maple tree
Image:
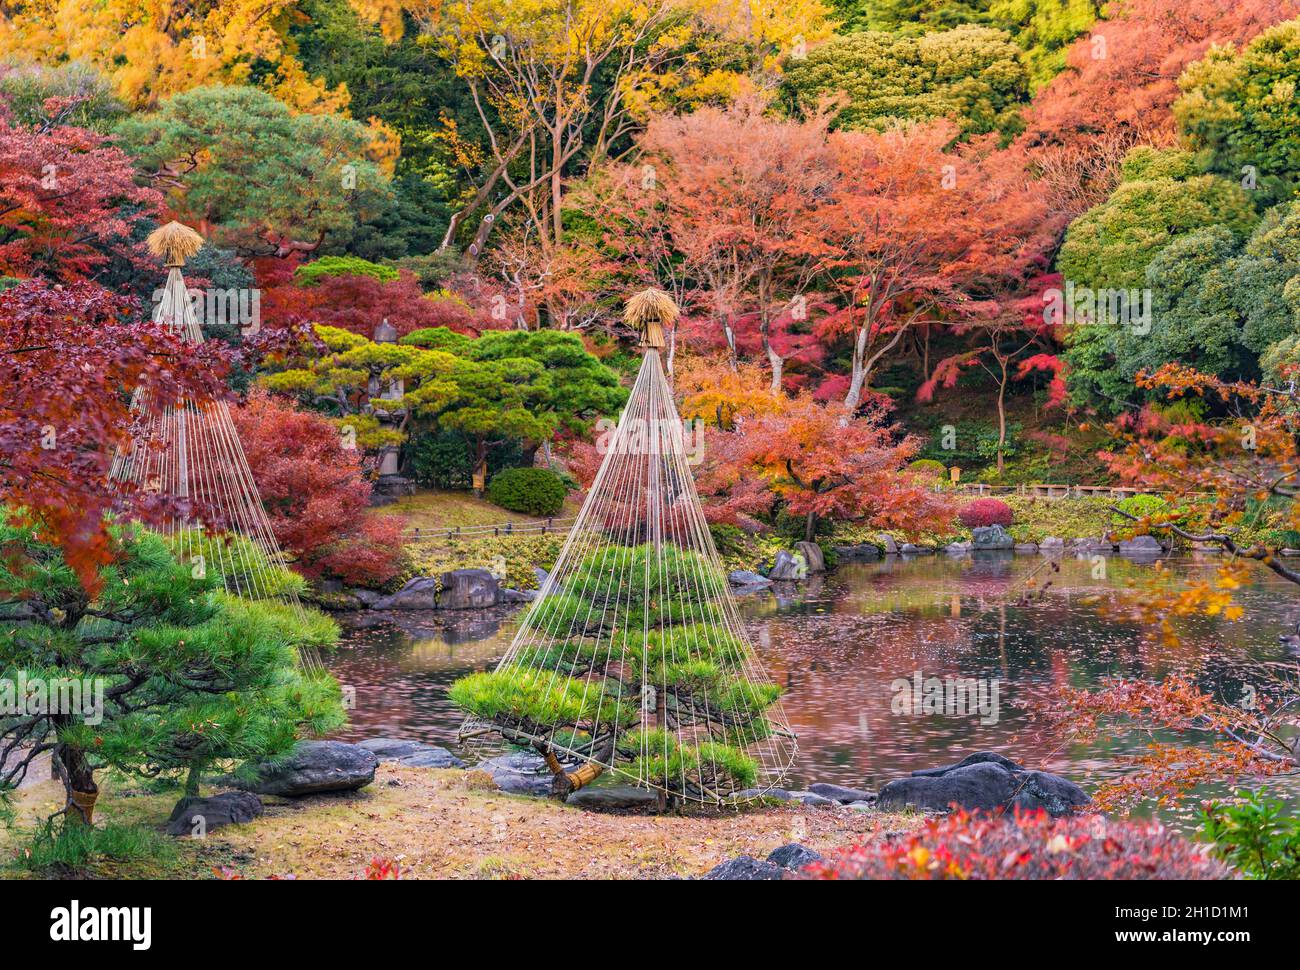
[(152, 49)]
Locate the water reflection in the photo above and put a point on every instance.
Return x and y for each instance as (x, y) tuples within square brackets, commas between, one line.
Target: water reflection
[(838, 643)]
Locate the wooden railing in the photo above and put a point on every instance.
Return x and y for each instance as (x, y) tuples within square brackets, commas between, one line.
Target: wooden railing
[(527, 527), (1048, 491)]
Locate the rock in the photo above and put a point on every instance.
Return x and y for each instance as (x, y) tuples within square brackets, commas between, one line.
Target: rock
[(986, 781), (1051, 545), (1026, 548), (519, 773), (957, 548), (329, 585), (467, 589), (891, 547), (198, 816), (812, 555), (908, 549), (413, 754), (745, 868), (315, 767), (811, 799), (1141, 546), (507, 595), (787, 566), (793, 856), (991, 537), (858, 552), (978, 758), (420, 593), (366, 597), (838, 793), (861, 806), (745, 577), (1289, 553), (1091, 544), (613, 798), (780, 794)]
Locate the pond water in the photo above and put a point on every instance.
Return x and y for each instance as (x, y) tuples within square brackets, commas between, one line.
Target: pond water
[(839, 643)]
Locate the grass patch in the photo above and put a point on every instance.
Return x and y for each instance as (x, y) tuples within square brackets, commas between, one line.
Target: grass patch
[(79, 851)]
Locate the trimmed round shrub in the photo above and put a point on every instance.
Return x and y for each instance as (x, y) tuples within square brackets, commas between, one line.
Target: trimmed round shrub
[(532, 491), (985, 511), (928, 468), (309, 274), (1030, 845)]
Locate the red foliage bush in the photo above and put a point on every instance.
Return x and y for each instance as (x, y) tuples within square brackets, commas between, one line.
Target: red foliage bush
[(315, 495), (985, 511), (1029, 845), (359, 303)]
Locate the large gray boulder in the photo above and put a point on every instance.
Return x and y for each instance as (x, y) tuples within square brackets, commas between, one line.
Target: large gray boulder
[(812, 555), (745, 868), (1141, 547), (957, 548), (787, 566), (198, 816), (857, 552), (413, 754), (519, 773), (910, 549), (984, 537), (747, 579), (1026, 548), (890, 546), (1051, 546), (793, 856), (990, 784), (467, 589), (314, 768), (420, 593)]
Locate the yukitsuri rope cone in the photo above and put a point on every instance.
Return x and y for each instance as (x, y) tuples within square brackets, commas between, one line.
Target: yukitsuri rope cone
[(192, 452), (633, 658)]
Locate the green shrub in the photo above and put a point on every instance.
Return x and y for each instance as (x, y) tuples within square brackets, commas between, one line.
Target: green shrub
[(1138, 506), (929, 468), (309, 274), (1254, 836), (532, 491)]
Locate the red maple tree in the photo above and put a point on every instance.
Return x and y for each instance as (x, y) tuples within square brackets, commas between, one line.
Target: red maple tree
[(315, 495), (67, 199), (819, 462), (70, 356)]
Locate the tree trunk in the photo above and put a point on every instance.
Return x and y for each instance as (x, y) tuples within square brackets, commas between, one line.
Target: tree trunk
[(1002, 419), (810, 527), (193, 779), (859, 378), (79, 785), (480, 467)]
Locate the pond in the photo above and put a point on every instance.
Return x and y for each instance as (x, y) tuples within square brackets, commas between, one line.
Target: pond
[(839, 644)]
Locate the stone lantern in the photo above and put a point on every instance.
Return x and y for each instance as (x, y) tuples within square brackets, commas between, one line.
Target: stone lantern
[(391, 483)]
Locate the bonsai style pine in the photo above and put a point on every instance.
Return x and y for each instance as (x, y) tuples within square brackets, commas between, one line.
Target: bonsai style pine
[(633, 658)]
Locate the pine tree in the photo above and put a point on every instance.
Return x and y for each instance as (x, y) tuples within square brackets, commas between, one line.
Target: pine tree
[(190, 675)]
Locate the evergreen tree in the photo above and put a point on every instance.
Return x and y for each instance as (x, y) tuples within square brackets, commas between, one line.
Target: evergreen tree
[(189, 674)]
